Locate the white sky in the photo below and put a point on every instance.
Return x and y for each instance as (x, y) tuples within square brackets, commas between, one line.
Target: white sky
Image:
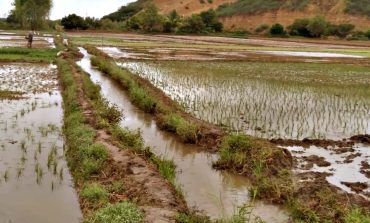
[(61, 8)]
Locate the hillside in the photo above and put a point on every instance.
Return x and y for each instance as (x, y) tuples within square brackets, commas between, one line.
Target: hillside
[(252, 13)]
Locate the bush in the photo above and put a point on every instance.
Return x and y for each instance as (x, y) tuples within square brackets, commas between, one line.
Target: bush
[(277, 30), (341, 30), (317, 26), (95, 193), (193, 24), (74, 21), (367, 34), (124, 212), (299, 28)]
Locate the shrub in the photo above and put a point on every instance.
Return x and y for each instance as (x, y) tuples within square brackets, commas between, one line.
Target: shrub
[(277, 30), (95, 193), (193, 24), (341, 30), (299, 28), (367, 34), (124, 212), (317, 26)]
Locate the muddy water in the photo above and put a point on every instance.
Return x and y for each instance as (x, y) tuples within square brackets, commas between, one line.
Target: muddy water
[(216, 193), (35, 184), (342, 167)]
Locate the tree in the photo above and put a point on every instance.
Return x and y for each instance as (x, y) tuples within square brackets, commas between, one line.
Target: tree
[(210, 20), (317, 26), (74, 21), (193, 24), (150, 20), (277, 30), (32, 13), (172, 21), (299, 28), (341, 30)]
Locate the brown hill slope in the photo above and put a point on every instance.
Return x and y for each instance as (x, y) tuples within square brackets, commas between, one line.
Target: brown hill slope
[(253, 13), (188, 7)]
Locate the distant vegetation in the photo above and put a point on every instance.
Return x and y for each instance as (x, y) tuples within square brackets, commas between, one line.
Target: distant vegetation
[(136, 17), (358, 7)]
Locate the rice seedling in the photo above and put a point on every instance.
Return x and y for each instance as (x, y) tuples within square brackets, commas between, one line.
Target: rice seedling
[(270, 100)]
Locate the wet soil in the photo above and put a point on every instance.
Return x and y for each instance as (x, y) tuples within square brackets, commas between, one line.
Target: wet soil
[(188, 54)]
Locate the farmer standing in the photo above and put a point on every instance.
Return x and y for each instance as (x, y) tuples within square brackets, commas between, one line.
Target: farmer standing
[(29, 37)]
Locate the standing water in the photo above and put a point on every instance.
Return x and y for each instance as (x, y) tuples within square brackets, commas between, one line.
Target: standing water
[(35, 184), (218, 194)]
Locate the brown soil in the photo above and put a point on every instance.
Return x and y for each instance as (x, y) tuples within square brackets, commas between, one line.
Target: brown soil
[(188, 7), (142, 181), (286, 18), (319, 161), (349, 159), (314, 193), (365, 168), (356, 187)]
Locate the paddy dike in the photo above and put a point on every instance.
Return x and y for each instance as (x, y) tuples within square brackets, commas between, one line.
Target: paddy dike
[(35, 183)]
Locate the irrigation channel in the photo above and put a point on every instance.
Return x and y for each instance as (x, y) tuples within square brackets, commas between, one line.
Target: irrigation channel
[(216, 193), (35, 184)]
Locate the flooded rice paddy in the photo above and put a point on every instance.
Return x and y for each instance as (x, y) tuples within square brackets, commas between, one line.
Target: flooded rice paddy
[(310, 54), (216, 193), (35, 184), (269, 100), (348, 170), (14, 40)]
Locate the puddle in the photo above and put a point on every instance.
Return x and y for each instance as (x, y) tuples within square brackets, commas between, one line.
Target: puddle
[(35, 183), (117, 53), (309, 54), (342, 167), (17, 41), (216, 193)]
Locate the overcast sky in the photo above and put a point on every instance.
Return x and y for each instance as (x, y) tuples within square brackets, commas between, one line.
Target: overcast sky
[(94, 8)]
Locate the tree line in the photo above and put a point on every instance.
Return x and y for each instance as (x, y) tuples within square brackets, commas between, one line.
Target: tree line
[(148, 20)]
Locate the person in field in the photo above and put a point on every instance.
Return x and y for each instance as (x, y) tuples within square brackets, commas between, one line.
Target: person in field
[(29, 37)]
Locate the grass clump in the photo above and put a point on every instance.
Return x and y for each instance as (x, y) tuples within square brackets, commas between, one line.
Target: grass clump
[(357, 215), (95, 193), (167, 168), (123, 212), (175, 123), (267, 166)]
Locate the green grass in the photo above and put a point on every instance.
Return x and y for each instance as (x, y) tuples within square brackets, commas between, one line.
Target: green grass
[(357, 215), (31, 55), (183, 128), (95, 193), (124, 212)]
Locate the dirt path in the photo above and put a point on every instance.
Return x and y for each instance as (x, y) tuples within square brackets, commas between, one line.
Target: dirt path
[(143, 183)]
